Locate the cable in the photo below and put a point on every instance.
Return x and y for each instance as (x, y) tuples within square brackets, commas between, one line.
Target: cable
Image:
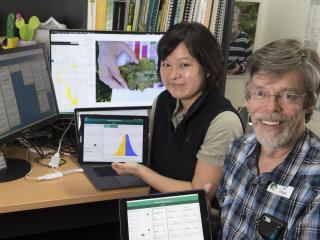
[(27, 156), (27, 177), (53, 175), (63, 135), (75, 170), (39, 160), (55, 159), (29, 145)]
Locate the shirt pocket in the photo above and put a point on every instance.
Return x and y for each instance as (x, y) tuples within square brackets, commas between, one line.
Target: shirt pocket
[(293, 211), (246, 204)]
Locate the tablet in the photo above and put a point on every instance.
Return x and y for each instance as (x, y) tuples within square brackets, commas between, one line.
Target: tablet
[(177, 215)]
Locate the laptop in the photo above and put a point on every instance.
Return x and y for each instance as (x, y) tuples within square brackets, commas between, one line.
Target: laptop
[(112, 138), (121, 110), (175, 215)]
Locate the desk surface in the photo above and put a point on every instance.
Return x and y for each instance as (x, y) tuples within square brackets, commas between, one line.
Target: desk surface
[(75, 188)]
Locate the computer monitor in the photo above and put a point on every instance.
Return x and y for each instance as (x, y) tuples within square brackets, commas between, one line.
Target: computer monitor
[(76, 70), (27, 99)]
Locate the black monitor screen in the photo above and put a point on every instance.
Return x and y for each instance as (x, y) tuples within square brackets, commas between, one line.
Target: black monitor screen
[(26, 92), (104, 69), (27, 98)]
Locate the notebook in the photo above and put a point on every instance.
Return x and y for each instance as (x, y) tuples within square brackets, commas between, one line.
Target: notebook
[(176, 215), (112, 138)]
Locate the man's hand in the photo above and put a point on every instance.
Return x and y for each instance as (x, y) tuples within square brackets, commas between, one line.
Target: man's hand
[(234, 70)]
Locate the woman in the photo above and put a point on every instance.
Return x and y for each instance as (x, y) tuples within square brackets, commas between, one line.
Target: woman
[(192, 123)]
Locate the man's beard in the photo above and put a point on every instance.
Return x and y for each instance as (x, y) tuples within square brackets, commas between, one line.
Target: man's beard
[(291, 132)]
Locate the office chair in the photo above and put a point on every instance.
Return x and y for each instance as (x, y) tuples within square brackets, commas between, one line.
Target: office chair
[(245, 118)]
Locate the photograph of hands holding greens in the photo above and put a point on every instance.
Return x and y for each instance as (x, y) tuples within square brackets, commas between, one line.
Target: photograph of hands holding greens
[(260, 184), (197, 137)]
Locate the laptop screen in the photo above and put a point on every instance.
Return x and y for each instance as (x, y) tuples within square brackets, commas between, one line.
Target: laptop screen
[(111, 138), (178, 215), (132, 111)]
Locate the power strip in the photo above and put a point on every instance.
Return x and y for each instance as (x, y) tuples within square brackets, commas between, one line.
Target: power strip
[(55, 175), (55, 160), (51, 176)]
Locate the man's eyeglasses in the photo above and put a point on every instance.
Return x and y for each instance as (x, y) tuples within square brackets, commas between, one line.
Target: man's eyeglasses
[(283, 97)]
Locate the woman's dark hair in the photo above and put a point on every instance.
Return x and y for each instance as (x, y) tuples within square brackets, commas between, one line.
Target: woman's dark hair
[(201, 45)]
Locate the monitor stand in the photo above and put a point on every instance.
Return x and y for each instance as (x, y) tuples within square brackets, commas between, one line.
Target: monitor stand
[(15, 169)]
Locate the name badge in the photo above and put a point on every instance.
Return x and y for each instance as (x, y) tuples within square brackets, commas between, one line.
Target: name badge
[(283, 191)]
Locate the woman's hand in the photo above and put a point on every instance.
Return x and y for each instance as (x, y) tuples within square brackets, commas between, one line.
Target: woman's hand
[(126, 168)]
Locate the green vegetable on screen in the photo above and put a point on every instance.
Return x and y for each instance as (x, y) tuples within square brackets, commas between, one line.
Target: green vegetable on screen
[(140, 76)]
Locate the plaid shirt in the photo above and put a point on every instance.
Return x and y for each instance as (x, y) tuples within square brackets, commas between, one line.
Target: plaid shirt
[(243, 195)]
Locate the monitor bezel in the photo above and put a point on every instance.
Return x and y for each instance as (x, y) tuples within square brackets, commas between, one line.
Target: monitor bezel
[(101, 31), (30, 128), (145, 142), (204, 210)]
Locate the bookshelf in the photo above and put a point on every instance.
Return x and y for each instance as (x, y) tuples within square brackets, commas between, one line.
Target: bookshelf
[(135, 15)]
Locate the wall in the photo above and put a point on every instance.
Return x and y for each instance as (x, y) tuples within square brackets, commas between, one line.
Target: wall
[(281, 19), (235, 85), (276, 20), (314, 126)]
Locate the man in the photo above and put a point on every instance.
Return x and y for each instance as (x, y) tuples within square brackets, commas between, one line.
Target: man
[(271, 180), (240, 46)]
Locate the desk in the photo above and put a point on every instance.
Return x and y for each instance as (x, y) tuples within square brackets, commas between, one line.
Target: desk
[(28, 207)]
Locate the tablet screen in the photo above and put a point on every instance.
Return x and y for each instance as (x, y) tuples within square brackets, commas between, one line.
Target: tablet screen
[(180, 215)]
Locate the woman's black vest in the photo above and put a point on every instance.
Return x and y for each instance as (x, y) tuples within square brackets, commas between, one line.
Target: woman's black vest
[(174, 150)]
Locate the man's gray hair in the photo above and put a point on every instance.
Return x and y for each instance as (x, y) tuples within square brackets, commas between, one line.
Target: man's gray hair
[(283, 56)]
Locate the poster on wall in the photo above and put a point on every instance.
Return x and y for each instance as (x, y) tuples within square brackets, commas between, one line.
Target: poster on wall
[(243, 31), (312, 39)]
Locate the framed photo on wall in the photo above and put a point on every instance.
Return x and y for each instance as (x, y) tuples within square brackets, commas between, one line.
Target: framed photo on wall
[(243, 31), (312, 40)]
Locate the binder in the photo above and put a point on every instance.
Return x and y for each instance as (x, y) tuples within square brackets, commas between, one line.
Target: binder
[(91, 15), (186, 11), (136, 15), (217, 18), (109, 18), (119, 11), (101, 14)]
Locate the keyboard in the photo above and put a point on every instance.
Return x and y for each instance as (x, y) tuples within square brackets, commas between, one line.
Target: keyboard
[(105, 171)]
